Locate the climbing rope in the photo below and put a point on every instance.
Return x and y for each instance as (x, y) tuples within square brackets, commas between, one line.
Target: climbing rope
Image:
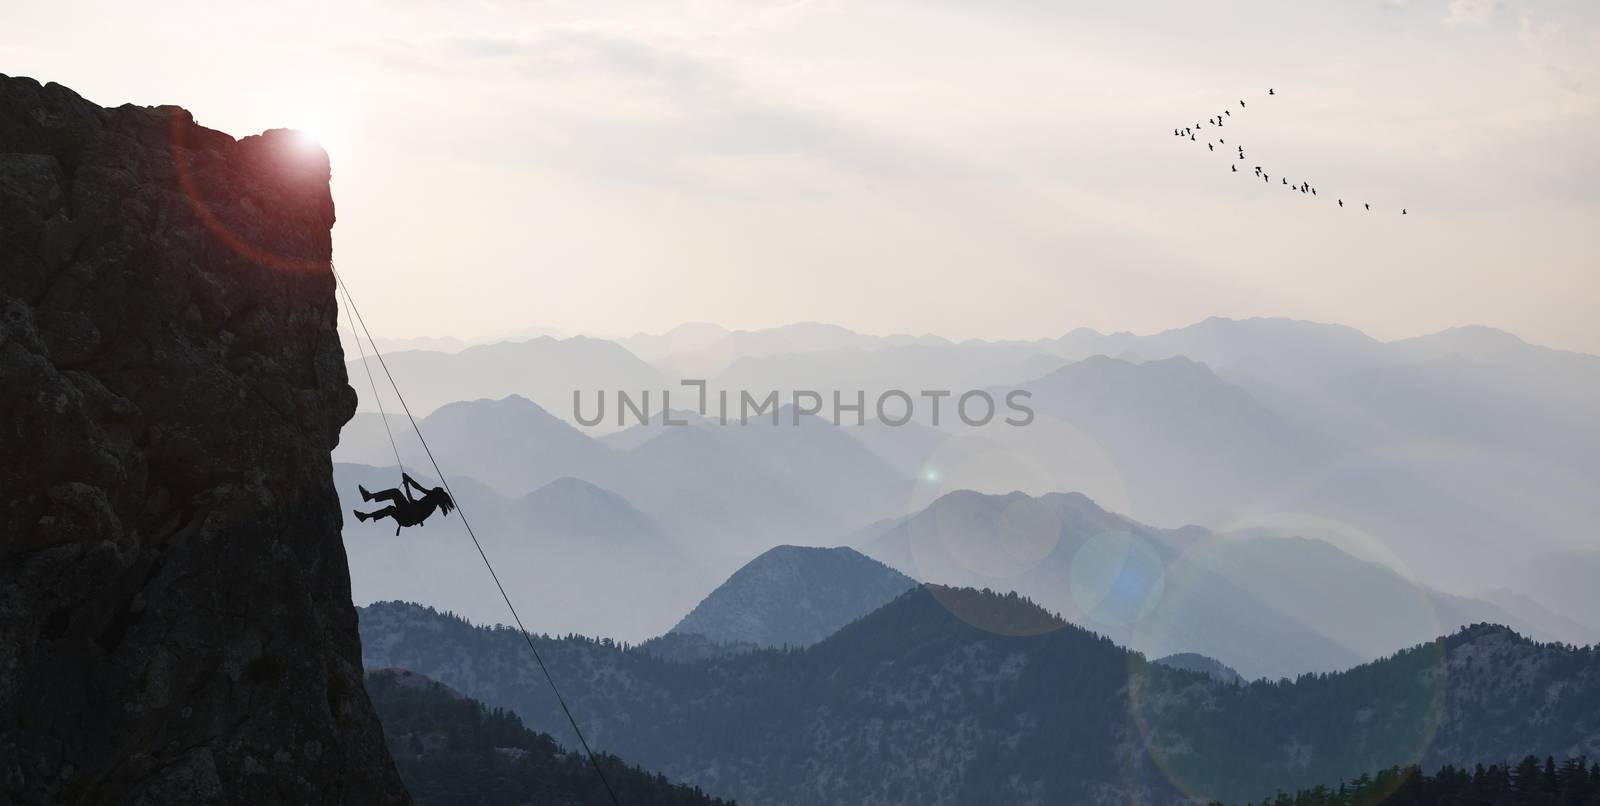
[(374, 384), (593, 760)]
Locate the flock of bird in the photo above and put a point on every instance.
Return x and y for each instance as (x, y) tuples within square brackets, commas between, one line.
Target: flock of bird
[(1219, 122)]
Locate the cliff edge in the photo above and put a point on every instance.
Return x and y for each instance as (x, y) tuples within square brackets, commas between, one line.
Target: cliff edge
[(175, 616)]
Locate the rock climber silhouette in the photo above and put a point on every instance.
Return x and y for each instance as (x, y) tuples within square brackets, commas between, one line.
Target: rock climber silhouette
[(403, 508)]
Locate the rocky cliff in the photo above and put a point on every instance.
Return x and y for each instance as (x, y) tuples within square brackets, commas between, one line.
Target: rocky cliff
[(175, 617)]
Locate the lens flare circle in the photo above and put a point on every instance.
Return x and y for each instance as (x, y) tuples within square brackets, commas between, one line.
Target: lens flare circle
[(308, 167), (1116, 579)]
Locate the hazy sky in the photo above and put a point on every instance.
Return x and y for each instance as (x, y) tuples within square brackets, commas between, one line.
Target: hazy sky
[(989, 168)]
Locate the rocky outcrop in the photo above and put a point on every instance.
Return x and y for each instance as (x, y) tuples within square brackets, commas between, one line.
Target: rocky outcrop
[(175, 616)]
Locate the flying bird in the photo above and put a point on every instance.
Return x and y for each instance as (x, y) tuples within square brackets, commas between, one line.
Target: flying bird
[(1236, 170), (1402, 211), (1285, 180), (1226, 112), (1368, 206), (1241, 103), (1272, 91), (1341, 202)]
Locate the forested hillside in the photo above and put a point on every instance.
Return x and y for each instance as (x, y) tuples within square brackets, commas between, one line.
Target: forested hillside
[(453, 751), (961, 696)]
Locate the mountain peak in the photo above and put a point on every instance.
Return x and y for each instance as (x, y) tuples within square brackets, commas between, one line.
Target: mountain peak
[(794, 596), (1491, 633), (509, 404), (1481, 333), (569, 487), (964, 609), (1202, 664)]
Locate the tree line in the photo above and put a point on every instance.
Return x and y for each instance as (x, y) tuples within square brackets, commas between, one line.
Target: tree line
[(1574, 782)]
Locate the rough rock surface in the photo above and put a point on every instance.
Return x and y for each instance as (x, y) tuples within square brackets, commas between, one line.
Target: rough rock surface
[(175, 616)]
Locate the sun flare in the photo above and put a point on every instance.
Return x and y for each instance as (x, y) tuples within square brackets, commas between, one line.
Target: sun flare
[(317, 119), (320, 131)]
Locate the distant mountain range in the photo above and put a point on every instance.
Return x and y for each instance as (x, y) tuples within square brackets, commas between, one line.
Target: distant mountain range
[(585, 559), (1265, 605), (712, 356), (513, 445), (1467, 457), (917, 703), (1563, 582), (729, 491), (1438, 446), (573, 557), (546, 370)]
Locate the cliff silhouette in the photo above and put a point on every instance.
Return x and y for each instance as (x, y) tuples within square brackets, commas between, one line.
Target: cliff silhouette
[(175, 616)]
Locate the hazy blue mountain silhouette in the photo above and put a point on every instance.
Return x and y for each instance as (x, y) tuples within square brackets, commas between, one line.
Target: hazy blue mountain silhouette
[(1561, 581), (1191, 447), (794, 596), (1220, 342), (513, 445), (1266, 605), (801, 337), (574, 558), (685, 338), (697, 484), (906, 448), (730, 491), (635, 435), (912, 367), (545, 370), (1460, 453)]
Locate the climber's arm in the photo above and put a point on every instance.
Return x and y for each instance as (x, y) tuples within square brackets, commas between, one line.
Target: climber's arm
[(407, 483)]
